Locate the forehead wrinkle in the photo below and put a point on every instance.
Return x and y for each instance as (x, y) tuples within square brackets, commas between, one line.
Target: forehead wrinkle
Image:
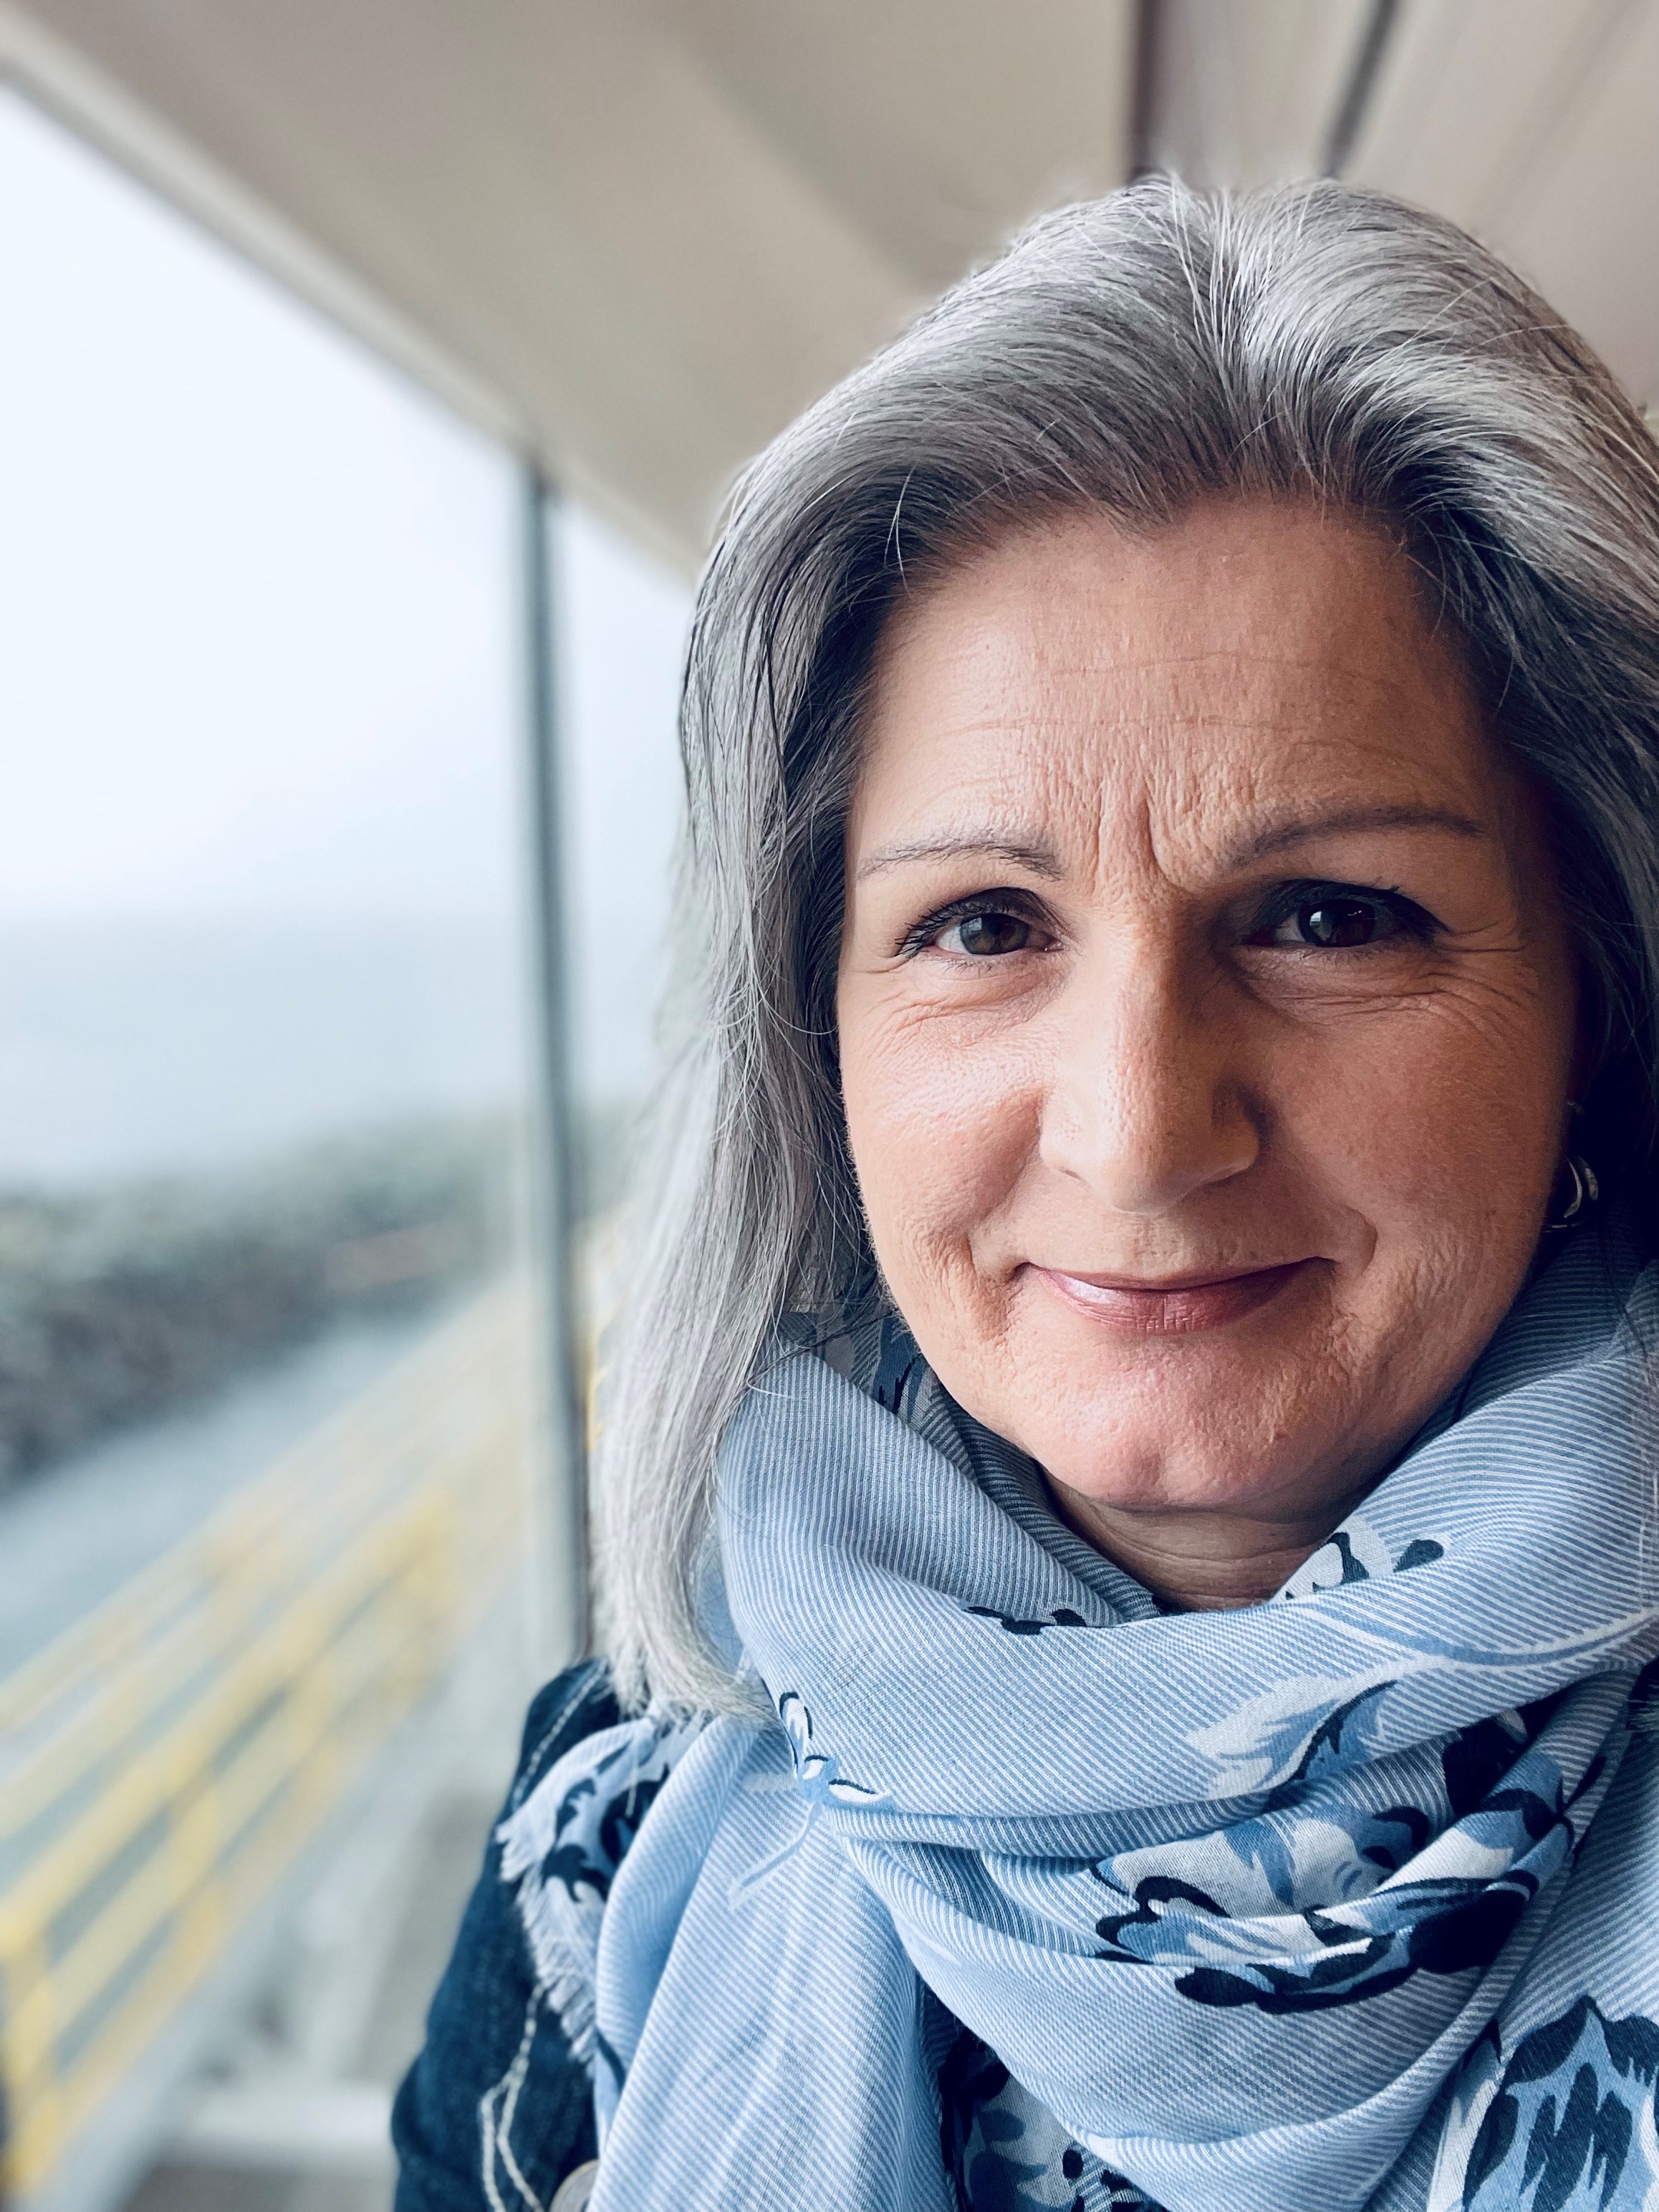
[(1109, 663), (1107, 780), (1240, 804), (1027, 805)]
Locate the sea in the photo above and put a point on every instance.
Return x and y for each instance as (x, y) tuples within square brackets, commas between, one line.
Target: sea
[(180, 1048)]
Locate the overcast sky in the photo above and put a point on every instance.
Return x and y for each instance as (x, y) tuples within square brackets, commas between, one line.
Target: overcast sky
[(259, 608)]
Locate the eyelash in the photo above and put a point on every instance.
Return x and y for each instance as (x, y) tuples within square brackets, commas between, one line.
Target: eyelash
[(1020, 903), (1285, 901), (1290, 899)]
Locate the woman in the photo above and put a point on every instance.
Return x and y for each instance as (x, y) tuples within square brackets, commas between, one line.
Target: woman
[(1131, 1488)]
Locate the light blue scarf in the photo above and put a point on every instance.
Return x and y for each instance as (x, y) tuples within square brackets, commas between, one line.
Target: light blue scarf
[(1351, 1898)]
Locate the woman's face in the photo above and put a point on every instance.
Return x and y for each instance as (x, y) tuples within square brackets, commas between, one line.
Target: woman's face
[(1206, 1020)]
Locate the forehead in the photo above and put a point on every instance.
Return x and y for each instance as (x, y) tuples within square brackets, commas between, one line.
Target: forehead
[(1247, 658)]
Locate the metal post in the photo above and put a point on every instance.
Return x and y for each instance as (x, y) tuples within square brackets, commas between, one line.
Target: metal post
[(1351, 109), (556, 1164), (1143, 115)]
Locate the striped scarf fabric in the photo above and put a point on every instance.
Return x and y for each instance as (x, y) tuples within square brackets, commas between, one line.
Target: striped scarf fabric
[(1032, 1896)]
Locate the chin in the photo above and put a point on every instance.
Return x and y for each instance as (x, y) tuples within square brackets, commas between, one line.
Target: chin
[(1155, 1460), (1226, 1420), (1143, 1469)]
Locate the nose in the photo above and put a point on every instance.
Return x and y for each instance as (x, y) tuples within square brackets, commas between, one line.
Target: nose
[(1144, 1105)]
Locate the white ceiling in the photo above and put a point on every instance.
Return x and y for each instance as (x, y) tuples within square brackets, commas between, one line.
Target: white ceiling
[(636, 235), (653, 229), (1533, 123)]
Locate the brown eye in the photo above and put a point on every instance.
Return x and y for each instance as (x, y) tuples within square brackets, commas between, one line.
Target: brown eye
[(982, 934), (1333, 918), (1337, 922)]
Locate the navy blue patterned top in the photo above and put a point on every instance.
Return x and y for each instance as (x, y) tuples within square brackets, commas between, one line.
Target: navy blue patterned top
[(497, 2088)]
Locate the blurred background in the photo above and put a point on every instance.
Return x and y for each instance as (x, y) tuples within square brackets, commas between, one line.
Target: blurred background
[(371, 373)]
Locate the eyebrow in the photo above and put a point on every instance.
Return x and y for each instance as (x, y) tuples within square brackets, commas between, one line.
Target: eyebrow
[(1276, 836), (1040, 860), (1036, 859)]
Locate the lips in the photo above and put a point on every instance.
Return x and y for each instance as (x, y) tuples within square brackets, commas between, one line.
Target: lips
[(1173, 1305)]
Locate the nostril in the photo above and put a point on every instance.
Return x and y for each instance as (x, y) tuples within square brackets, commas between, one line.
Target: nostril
[(1144, 1153)]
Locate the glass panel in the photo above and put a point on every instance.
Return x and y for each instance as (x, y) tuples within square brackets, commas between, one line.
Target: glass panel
[(622, 626), (266, 1390)]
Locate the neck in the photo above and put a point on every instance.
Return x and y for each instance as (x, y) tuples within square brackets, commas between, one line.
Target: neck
[(1194, 1561)]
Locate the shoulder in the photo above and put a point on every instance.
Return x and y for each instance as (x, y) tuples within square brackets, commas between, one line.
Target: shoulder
[(496, 2088), (571, 1707)]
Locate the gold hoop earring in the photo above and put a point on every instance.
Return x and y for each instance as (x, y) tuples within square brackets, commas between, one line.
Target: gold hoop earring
[(1585, 1194)]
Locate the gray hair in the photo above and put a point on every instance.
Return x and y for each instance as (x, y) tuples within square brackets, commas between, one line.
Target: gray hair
[(1155, 349)]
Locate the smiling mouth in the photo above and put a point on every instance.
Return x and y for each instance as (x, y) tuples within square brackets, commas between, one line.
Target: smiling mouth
[(1178, 1305)]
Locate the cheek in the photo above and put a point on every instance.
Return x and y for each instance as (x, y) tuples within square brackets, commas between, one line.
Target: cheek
[(942, 1117), (1440, 1126)]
